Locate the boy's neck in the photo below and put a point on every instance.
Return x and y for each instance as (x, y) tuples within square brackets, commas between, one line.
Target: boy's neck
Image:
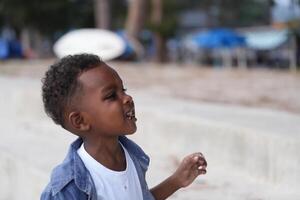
[(106, 151)]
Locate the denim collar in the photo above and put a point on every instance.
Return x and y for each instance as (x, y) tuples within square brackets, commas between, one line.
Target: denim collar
[(73, 168)]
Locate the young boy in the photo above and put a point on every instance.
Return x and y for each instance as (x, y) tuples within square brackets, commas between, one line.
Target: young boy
[(87, 97)]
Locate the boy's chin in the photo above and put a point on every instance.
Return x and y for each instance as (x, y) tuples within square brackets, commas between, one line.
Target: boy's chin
[(131, 132)]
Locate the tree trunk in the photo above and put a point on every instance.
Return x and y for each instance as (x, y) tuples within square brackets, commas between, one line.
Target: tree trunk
[(135, 17), (160, 48), (102, 14), (159, 41), (298, 51), (293, 54), (134, 24), (25, 39)]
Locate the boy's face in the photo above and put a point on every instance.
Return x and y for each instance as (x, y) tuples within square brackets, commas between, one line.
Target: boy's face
[(107, 108)]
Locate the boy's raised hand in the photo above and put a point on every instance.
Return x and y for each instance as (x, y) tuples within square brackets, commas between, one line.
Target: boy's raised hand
[(191, 166), (188, 170)]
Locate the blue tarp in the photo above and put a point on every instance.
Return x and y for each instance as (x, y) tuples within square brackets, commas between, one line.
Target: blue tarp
[(15, 49), (9, 49), (218, 38), (4, 49), (129, 50)]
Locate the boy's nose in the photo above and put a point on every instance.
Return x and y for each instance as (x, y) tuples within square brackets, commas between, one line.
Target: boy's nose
[(127, 99)]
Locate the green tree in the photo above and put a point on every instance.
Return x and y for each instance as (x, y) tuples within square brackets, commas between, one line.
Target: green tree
[(163, 23), (36, 20), (237, 13)]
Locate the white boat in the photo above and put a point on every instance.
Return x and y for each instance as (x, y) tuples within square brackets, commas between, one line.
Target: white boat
[(103, 43)]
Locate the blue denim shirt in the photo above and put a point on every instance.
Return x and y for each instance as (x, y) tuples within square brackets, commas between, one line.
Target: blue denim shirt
[(71, 180)]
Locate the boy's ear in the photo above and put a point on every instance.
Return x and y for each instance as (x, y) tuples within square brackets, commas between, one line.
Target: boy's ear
[(78, 121)]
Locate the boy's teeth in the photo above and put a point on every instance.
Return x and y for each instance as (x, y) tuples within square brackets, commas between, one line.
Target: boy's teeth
[(130, 115)]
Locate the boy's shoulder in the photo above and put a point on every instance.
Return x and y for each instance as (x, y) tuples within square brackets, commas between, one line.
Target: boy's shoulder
[(71, 172)]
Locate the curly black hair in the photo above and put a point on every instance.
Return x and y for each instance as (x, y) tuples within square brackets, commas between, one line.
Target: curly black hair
[(60, 83)]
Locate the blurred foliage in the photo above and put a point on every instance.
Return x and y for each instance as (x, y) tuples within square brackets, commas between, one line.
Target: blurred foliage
[(167, 28), (51, 16), (46, 16), (118, 13), (244, 12), (294, 28), (226, 13)]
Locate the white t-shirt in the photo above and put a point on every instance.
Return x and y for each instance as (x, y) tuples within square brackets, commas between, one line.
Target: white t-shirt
[(113, 185)]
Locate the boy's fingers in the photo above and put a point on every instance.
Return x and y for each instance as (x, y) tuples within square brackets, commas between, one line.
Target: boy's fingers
[(195, 167), (202, 171), (195, 159), (201, 167), (198, 167), (199, 161), (197, 156), (202, 162)]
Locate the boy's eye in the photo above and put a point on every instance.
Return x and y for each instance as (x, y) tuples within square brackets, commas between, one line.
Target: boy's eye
[(112, 95)]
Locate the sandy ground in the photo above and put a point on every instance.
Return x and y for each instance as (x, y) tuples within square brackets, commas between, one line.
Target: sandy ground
[(264, 88)]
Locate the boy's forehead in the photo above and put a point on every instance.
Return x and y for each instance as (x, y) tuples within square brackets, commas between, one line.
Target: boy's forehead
[(100, 76)]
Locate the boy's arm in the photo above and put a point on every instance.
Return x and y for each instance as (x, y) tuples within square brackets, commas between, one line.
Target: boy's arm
[(165, 189), (191, 167)]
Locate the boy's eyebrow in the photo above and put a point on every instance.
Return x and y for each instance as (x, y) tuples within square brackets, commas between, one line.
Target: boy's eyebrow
[(112, 86), (108, 87)]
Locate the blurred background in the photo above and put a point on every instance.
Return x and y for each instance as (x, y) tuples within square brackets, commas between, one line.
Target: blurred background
[(219, 33), (216, 76)]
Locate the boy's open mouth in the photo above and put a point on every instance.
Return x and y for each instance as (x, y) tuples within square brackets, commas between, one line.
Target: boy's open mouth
[(131, 114)]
